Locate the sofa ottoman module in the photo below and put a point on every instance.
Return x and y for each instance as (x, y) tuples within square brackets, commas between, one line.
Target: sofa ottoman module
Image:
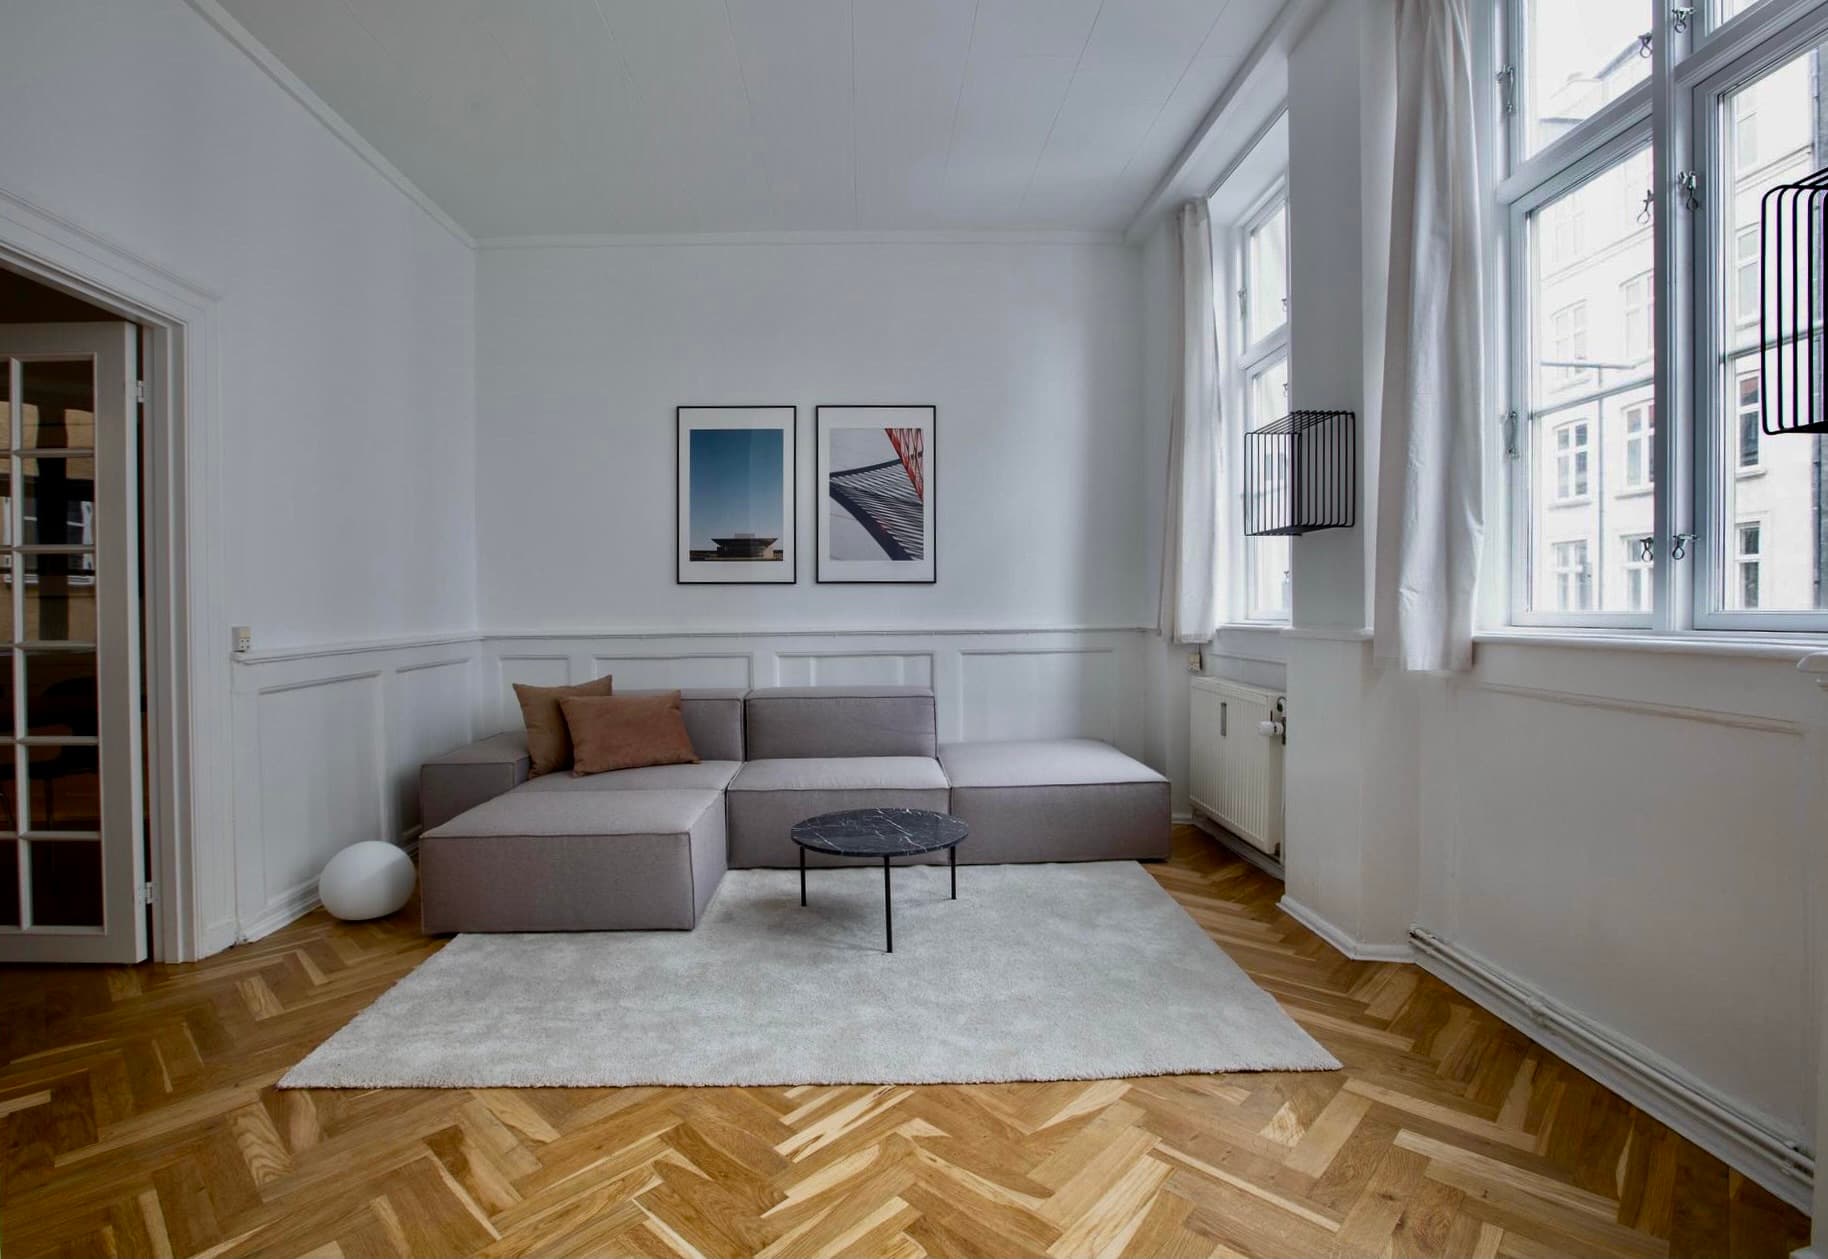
[(554, 860), (1057, 800)]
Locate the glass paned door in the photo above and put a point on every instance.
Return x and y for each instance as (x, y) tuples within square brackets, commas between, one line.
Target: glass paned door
[(72, 856)]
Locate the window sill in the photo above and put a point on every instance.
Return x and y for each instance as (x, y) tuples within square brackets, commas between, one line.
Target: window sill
[(1636, 491), (1754, 470), (1792, 647)]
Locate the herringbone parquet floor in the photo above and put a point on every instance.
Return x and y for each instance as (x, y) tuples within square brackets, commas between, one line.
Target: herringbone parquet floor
[(138, 1117)]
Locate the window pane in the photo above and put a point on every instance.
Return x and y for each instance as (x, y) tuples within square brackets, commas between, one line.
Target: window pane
[(1579, 56), (1770, 489), (1266, 560), (1591, 440), (67, 883), (1266, 261), (60, 693)]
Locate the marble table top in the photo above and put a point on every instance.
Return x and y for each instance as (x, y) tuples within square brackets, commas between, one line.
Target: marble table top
[(879, 832)]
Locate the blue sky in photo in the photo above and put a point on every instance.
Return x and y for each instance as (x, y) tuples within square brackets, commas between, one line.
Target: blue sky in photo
[(736, 484)]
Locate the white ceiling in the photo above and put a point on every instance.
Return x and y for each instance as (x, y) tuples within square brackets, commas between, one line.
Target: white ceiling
[(563, 117)]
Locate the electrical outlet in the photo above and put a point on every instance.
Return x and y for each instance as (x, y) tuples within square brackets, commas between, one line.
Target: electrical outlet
[(1196, 662), (244, 638)]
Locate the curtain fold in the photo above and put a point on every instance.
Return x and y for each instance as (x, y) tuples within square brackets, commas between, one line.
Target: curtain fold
[(1431, 495), (1193, 530)]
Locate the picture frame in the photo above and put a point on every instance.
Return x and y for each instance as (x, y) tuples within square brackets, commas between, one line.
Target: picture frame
[(735, 495), (875, 491)]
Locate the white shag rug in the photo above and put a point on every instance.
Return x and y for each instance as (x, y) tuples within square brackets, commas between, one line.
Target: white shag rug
[(1036, 972)]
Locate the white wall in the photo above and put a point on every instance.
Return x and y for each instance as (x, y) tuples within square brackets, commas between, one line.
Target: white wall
[(1031, 352), (344, 319)]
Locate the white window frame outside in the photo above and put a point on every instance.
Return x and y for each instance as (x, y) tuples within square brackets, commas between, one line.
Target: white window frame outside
[(1253, 360), (1670, 111), (1639, 571), (1641, 444)]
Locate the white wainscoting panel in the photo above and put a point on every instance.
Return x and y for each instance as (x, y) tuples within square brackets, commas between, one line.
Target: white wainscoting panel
[(857, 668), (639, 672), (989, 684), (1040, 692), (1626, 837), (328, 744)]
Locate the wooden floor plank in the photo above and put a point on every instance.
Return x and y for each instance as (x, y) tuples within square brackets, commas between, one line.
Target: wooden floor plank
[(138, 1115)]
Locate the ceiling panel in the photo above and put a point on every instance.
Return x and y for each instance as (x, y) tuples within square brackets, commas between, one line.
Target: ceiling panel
[(555, 117)]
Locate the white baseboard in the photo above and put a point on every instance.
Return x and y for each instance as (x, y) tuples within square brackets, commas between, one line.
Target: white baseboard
[(285, 910), (1357, 950), (1743, 1140)]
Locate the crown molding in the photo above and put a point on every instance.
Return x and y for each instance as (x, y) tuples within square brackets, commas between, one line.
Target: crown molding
[(638, 240), (238, 35)]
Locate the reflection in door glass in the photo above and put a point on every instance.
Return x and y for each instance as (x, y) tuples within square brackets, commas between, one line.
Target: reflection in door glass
[(59, 406), (67, 883), (9, 880)]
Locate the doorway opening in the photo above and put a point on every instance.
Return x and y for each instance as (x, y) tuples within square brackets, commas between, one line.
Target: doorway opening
[(76, 843)]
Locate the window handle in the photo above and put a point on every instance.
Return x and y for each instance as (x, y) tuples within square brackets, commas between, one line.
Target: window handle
[(1678, 546)]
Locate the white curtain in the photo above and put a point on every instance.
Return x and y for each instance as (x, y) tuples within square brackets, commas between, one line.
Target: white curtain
[(1431, 514), (1193, 537)]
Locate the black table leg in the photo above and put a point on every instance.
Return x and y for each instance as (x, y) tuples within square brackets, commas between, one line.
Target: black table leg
[(888, 907), (952, 860), (802, 878)]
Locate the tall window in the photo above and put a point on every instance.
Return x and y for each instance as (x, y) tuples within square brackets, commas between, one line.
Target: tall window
[(1591, 435), (1264, 367)]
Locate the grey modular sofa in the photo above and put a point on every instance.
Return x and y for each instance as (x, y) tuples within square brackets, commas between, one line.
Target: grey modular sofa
[(640, 849)]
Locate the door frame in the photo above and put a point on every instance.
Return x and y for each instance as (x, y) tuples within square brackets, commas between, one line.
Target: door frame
[(189, 791)]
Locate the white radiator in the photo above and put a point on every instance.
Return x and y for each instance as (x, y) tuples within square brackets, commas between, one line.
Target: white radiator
[(1236, 768)]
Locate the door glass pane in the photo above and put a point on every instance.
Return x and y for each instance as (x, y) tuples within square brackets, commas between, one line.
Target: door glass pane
[(9, 883), (1768, 534), (65, 783), (59, 501), (60, 693), (59, 405), (1591, 434), (59, 598), (67, 883), (6, 711), (1579, 56)]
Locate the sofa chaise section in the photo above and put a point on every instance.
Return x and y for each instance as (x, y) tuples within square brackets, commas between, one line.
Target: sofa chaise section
[(575, 861), (1056, 800), (480, 771)]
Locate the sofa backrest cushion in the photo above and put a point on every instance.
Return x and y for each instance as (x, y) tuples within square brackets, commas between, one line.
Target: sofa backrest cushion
[(799, 721), (714, 720)]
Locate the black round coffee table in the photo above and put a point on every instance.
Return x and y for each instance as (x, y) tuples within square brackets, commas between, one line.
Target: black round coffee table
[(881, 833)]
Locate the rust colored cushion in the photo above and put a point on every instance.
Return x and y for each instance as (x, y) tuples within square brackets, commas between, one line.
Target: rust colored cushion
[(548, 741), (626, 732)]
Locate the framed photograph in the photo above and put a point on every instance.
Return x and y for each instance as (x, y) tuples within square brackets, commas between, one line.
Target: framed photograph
[(734, 511), (876, 479)]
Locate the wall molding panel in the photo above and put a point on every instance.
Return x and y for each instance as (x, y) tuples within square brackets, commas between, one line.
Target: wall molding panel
[(328, 745), (1712, 1120)]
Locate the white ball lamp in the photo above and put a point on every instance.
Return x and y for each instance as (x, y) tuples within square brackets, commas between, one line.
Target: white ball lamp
[(367, 880)]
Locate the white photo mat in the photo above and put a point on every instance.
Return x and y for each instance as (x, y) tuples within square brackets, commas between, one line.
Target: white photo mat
[(875, 496)]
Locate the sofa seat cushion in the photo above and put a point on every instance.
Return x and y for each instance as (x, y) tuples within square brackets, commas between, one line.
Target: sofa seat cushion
[(1041, 763), (1057, 800), (575, 861), (841, 773), (703, 776), (768, 797)]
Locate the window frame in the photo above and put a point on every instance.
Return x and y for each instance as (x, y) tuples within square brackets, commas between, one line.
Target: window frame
[(1253, 360), (1775, 32), (1694, 400), (1611, 148)]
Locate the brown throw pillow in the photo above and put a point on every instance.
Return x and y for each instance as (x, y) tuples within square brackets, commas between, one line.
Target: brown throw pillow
[(626, 732), (548, 741)]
